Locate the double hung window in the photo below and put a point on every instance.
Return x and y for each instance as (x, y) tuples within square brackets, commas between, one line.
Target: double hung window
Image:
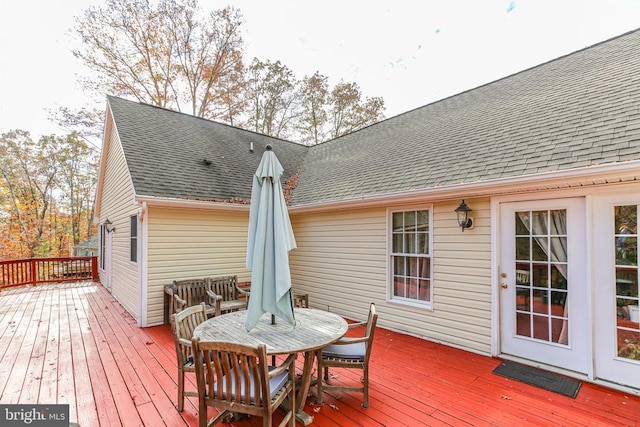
[(410, 256)]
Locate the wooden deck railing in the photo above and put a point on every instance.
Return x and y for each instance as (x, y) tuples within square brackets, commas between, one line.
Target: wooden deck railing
[(47, 270)]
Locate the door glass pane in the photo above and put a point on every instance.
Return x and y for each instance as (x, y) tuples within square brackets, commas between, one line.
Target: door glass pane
[(541, 308), (625, 247)]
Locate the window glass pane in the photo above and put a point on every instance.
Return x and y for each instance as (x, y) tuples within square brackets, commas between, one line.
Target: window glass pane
[(399, 287), (424, 290), (397, 243), (540, 249), (523, 324), (558, 249), (523, 274), (423, 243), (539, 223), (558, 279), (410, 221), (412, 288), (626, 250), (540, 301), (410, 243), (626, 282), (424, 268), (540, 275), (398, 222), (412, 263), (558, 222), (522, 249), (522, 223), (626, 219), (558, 300), (523, 299), (398, 266), (423, 221), (629, 344)]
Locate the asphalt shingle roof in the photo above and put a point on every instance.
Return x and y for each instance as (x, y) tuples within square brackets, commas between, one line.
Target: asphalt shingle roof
[(165, 153), (578, 110), (581, 109)]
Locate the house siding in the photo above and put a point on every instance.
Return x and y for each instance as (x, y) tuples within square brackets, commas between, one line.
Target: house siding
[(118, 206), (185, 244), (341, 262)]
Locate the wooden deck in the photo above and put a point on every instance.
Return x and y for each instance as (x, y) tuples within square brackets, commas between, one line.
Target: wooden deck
[(73, 343)]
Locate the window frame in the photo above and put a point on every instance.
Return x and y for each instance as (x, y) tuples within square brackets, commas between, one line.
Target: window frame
[(391, 297), (133, 238), (103, 245)]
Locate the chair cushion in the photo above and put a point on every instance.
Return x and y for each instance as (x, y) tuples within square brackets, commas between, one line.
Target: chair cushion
[(275, 384), (189, 360), (355, 351)]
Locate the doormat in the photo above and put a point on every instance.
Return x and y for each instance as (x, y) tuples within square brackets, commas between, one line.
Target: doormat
[(539, 378)]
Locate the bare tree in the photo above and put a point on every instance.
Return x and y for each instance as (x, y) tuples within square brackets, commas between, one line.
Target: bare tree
[(349, 112), (272, 99), (77, 182), (314, 93), (170, 56)]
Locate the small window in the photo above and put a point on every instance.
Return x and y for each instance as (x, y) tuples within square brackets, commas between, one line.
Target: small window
[(134, 238), (410, 259), (103, 244)]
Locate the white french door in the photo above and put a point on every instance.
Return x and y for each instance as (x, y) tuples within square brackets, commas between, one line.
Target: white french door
[(543, 286), (615, 265)]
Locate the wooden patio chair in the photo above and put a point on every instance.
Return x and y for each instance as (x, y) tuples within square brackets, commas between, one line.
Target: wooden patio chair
[(348, 352), (301, 300), (191, 292), (182, 326), (235, 378), (225, 291)]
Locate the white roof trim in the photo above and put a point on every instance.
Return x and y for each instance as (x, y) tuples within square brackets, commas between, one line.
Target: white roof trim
[(190, 204)]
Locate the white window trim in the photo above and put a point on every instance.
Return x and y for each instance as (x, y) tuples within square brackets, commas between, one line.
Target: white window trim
[(137, 237), (389, 285)]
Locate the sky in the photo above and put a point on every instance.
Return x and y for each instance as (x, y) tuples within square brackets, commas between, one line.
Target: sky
[(410, 53)]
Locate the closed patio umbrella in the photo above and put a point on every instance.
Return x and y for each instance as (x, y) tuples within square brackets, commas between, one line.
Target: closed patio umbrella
[(270, 240)]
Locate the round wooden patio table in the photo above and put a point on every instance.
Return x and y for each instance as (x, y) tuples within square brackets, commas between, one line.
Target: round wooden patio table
[(313, 330)]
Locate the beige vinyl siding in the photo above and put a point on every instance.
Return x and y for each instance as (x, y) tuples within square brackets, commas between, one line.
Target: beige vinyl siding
[(185, 244), (462, 278), (341, 261), (118, 206)]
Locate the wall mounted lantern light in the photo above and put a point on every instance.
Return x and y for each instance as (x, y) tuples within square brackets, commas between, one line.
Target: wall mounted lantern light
[(108, 225), (463, 216)]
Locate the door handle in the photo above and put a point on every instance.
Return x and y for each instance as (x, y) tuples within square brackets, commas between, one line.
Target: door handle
[(504, 285)]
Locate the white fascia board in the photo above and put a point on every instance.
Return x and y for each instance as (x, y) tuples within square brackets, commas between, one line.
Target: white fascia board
[(190, 204)]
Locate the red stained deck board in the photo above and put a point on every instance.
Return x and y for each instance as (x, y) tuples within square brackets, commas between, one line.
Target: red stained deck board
[(19, 356), (113, 381), (31, 387), (78, 324), (49, 379), (413, 381)]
